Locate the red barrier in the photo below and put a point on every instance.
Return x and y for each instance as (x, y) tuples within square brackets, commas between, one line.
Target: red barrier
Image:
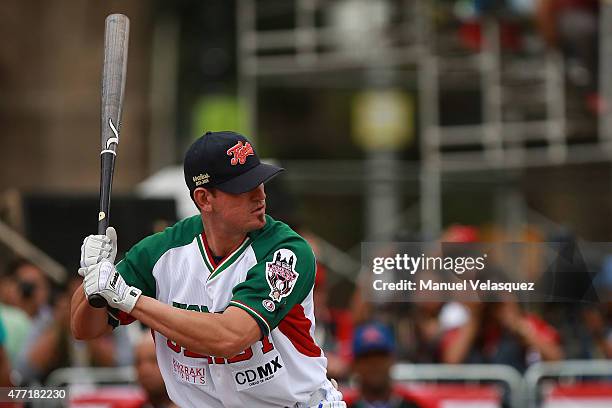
[(583, 395), (109, 397)]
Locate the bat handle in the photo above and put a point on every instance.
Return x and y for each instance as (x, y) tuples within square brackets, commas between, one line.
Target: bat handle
[(95, 300)]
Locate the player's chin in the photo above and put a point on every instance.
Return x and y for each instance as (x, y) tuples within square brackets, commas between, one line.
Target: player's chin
[(260, 220), (256, 221)]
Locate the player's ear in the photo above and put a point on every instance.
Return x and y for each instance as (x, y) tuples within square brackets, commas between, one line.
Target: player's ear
[(202, 196)]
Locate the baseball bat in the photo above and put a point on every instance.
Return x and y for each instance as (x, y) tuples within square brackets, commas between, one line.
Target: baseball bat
[(116, 36)]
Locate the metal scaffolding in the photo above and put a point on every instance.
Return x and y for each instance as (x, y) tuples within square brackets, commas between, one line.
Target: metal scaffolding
[(522, 97)]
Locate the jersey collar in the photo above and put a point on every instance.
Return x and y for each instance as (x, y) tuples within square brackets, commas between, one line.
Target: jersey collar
[(214, 267)]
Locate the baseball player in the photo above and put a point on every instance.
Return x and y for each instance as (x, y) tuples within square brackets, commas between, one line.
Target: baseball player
[(228, 293)]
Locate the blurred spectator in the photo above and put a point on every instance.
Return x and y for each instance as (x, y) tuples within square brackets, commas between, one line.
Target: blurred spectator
[(417, 324), (5, 367), (32, 297), (32, 289), (383, 306), (572, 27), (597, 336), (361, 309), (499, 333), (334, 328), (16, 322), (590, 335), (460, 233), (373, 350), (507, 13), (51, 346), (9, 291), (418, 333), (149, 376)]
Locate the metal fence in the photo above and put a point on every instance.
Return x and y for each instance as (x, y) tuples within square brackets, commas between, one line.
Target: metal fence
[(519, 390), (572, 370)]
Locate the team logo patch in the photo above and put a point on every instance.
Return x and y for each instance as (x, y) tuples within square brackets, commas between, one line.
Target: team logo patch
[(281, 274), (240, 152), (268, 305)]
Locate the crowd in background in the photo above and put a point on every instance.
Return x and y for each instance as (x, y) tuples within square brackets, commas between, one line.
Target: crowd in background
[(363, 340), (569, 26), (36, 339)]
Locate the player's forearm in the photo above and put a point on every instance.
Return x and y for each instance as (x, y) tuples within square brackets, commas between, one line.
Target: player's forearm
[(204, 333), (86, 322)]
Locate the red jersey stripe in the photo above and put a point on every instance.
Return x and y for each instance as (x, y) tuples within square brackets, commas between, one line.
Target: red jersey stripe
[(297, 329)]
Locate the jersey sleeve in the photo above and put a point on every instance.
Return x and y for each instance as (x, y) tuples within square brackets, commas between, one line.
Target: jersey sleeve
[(136, 268), (279, 281)]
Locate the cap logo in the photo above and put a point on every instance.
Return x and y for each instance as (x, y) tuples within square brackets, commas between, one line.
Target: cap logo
[(240, 153), (372, 335), (201, 179)]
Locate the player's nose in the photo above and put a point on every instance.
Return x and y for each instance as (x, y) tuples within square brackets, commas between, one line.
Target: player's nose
[(258, 193)]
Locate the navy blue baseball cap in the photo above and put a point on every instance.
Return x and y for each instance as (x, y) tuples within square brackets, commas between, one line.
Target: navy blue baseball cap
[(373, 337), (227, 161)]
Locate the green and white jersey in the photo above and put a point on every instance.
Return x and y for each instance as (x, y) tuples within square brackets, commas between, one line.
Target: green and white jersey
[(270, 276)]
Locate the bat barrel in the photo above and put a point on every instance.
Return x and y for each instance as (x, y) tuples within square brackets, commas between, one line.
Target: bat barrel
[(114, 72)]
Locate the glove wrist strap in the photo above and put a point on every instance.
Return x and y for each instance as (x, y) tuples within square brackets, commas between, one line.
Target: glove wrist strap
[(131, 297)]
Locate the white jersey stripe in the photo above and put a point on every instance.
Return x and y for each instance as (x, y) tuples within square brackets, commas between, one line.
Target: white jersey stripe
[(253, 312)]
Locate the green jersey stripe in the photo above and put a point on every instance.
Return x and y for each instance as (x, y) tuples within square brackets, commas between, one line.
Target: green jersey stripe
[(204, 254)]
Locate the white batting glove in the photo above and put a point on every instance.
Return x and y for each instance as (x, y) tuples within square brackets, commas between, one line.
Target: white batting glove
[(97, 248), (103, 279), (327, 396)]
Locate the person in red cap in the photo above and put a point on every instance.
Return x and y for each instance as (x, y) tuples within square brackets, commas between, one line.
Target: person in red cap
[(228, 293)]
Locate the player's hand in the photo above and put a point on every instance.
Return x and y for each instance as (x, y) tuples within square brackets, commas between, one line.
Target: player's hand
[(97, 248), (103, 279), (326, 397)]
